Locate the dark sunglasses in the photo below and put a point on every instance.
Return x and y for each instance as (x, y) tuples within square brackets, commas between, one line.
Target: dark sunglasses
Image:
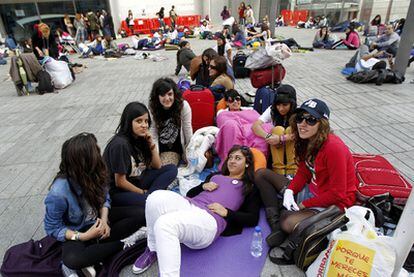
[(310, 120), (231, 100), (212, 67)]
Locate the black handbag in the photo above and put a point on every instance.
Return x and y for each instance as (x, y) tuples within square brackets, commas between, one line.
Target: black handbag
[(309, 237)]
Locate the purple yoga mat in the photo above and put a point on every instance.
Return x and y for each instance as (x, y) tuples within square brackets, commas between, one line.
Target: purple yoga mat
[(227, 256)]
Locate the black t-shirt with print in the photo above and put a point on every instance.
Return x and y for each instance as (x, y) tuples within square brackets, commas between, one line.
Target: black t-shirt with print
[(169, 139), (119, 159)]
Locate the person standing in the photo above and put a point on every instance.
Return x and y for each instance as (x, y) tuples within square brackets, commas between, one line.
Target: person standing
[(173, 16), (249, 15), (79, 24), (160, 15), (225, 13), (93, 24), (242, 10)]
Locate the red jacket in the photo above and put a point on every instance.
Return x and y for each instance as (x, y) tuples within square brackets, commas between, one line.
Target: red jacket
[(334, 180)]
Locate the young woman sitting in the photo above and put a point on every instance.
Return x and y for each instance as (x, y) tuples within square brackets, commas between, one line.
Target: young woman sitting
[(280, 138), (78, 210), (239, 40), (223, 48), (184, 56), (133, 159), (351, 41), (325, 175), (171, 129), (199, 67), (221, 206), (322, 39), (220, 79), (232, 102)]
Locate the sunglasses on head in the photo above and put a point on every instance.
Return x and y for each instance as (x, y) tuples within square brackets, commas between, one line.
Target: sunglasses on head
[(310, 120), (231, 99)]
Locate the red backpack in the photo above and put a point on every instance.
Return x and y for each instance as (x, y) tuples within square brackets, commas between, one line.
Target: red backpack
[(376, 175)]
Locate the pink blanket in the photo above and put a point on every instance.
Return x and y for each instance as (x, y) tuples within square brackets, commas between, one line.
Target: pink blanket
[(236, 128)]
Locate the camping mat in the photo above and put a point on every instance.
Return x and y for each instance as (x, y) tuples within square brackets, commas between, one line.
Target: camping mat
[(227, 256)]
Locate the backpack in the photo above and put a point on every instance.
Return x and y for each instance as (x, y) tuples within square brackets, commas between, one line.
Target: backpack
[(33, 258), (239, 69), (309, 237), (375, 176), (45, 82), (264, 98), (183, 84)]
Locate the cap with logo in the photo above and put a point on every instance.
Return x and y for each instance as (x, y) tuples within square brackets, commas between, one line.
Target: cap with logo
[(315, 107)]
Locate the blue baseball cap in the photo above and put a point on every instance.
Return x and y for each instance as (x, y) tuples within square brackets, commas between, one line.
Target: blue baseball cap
[(315, 107)]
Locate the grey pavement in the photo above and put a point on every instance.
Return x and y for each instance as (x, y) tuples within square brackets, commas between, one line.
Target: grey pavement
[(369, 118)]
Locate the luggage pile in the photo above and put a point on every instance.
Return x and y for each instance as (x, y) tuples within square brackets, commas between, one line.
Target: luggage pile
[(266, 72)]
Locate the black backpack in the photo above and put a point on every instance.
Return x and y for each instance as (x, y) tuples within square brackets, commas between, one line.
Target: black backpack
[(239, 69), (45, 82)]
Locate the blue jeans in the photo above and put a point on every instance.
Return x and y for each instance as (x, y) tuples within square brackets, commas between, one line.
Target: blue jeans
[(151, 180), (304, 194)]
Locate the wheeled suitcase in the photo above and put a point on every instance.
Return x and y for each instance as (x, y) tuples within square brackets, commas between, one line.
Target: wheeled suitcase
[(376, 175), (239, 60), (201, 101), (263, 77)]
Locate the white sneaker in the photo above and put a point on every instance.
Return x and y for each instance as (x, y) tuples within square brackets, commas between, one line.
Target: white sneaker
[(89, 271), (67, 272), (132, 239)]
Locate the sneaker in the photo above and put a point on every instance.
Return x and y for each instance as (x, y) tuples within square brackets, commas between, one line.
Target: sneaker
[(89, 271), (144, 261), (67, 272), (132, 239)]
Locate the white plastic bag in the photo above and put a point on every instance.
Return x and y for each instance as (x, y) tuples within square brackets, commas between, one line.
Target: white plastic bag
[(358, 251), (59, 72), (268, 56)]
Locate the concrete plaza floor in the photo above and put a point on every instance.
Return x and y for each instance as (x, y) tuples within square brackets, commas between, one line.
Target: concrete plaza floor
[(369, 118)]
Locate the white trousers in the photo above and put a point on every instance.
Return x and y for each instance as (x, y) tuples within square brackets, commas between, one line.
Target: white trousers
[(171, 220)]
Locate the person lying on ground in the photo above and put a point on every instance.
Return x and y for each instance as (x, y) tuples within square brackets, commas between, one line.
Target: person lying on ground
[(366, 60), (133, 160), (325, 175), (222, 205)]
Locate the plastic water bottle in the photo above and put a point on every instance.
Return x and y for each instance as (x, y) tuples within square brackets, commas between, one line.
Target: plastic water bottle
[(193, 162), (256, 247)]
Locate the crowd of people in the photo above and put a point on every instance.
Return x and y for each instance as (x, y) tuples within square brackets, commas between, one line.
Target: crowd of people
[(98, 203)]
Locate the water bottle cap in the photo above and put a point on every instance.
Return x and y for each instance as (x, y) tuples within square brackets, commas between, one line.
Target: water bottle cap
[(257, 229)]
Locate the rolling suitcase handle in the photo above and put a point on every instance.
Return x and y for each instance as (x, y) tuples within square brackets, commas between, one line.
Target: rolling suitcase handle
[(197, 88)]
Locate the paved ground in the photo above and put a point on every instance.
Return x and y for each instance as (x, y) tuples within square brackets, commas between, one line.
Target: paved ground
[(369, 118)]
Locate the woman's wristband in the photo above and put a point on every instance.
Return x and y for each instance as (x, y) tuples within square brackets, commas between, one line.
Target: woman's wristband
[(268, 135)]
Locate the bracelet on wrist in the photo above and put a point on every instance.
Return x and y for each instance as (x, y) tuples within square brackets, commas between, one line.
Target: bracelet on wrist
[(268, 135)]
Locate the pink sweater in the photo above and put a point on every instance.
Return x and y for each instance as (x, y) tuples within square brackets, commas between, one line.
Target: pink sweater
[(353, 40)]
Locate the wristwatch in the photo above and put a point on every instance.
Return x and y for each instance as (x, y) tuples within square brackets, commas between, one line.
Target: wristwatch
[(75, 236)]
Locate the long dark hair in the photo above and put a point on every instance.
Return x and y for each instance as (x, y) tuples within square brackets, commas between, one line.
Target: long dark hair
[(286, 94), (221, 48), (351, 28), (376, 20), (221, 65), (160, 88), (248, 176), (139, 145), (307, 149), (82, 163), (326, 36)]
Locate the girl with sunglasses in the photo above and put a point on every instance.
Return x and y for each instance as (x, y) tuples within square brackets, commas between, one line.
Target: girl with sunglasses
[(78, 211), (172, 128), (280, 137), (220, 78), (325, 174), (222, 205), (232, 102), (133, 159)]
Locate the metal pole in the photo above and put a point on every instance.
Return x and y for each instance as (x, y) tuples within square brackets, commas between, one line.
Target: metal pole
[(341, 14), (37, 10), (74, 7), (406, 43), (404, 234), (272, 16), (324, 8)]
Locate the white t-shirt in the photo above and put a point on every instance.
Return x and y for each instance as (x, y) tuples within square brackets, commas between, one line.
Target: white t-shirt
[(266, 117), (226, 48), (204, 28)]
